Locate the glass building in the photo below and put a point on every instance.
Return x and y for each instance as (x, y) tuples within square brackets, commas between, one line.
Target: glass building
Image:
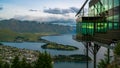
[(108, 8), (103, 16)]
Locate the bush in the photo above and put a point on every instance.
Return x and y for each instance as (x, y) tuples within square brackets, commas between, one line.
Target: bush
[(117, 49), (103, 62)]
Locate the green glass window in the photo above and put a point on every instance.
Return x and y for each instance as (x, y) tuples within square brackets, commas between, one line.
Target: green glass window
[(110, 4), (106, 4), (116, 25), (110, 25), (116, 3)]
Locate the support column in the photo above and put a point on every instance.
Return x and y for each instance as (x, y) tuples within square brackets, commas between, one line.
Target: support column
[(108, 55), (94, 48), (87, 44), (94, 51)]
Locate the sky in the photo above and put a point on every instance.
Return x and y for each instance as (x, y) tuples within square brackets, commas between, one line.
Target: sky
[(39, 10)]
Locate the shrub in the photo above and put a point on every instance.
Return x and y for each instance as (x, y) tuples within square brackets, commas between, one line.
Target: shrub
[(117, 49)]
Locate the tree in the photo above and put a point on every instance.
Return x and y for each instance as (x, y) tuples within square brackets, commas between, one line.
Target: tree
[(23, 63), (103, 62), (29, 65), (44, 61), (1, 63), (6, 65), (15, 63), (48, 60), (117, 49), (117, 54), (38, 63)]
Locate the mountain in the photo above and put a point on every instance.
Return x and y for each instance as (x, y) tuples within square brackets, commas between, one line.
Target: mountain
[(33, 27)]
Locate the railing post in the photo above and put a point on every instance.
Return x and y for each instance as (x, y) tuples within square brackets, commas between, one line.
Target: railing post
[(87, 52), (108, 56)]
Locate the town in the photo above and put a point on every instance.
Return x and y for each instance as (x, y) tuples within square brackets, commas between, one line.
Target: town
[(8, 53)]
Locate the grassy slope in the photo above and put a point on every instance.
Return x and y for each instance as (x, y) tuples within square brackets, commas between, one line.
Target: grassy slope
[(9, 35)]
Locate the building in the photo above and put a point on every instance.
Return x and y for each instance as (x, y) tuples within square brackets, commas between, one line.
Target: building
[(101, 26), (102, 23)]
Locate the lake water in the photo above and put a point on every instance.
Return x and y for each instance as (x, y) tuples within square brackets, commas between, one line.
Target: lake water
[(62, 39)]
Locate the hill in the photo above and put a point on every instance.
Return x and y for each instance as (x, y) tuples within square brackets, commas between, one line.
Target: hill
[(33, 27)]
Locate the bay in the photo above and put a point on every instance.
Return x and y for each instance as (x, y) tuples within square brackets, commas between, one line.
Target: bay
[(65, 39)]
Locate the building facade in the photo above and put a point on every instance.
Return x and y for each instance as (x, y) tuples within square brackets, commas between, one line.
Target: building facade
[(103, 17), (109, 8)]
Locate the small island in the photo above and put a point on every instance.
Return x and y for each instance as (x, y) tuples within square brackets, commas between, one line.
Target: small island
[(71, 58), (56, 46)]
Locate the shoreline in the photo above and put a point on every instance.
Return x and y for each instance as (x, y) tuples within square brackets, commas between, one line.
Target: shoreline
[(33, 54), (40, 40)]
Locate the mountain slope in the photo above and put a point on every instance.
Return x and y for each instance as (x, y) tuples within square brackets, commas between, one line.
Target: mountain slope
[(33, 27)]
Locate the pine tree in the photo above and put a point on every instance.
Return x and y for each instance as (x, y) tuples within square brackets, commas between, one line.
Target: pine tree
[(29, 65), (1, 63), (23, 63), (44, 61), (38, 63), (48, 60), (15, 63), (117, 49), (103, 62), (6, 65)]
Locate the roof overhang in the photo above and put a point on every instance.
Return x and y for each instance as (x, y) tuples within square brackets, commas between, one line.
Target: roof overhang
[(91, 19)]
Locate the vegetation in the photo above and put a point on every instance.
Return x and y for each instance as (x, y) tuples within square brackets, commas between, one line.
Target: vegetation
[(117, 49), (7, 35), (103, 62), (44, 61), (0, 62), (15, 63), (10, 36), (12, 57), (56, 46), (71, 58)]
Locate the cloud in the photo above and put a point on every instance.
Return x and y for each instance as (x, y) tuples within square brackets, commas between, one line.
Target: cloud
[(1, 18), (50, 19), (61, 11), (43, 19), (33, 10), (1, 8), (48, 15)]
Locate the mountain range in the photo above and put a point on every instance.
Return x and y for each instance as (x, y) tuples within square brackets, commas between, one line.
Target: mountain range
[(34, 26)]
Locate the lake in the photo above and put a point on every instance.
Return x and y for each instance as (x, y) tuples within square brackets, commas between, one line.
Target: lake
[(61, 39)]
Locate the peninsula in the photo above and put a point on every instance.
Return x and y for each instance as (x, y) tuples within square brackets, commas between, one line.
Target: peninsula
[(56, 46)]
